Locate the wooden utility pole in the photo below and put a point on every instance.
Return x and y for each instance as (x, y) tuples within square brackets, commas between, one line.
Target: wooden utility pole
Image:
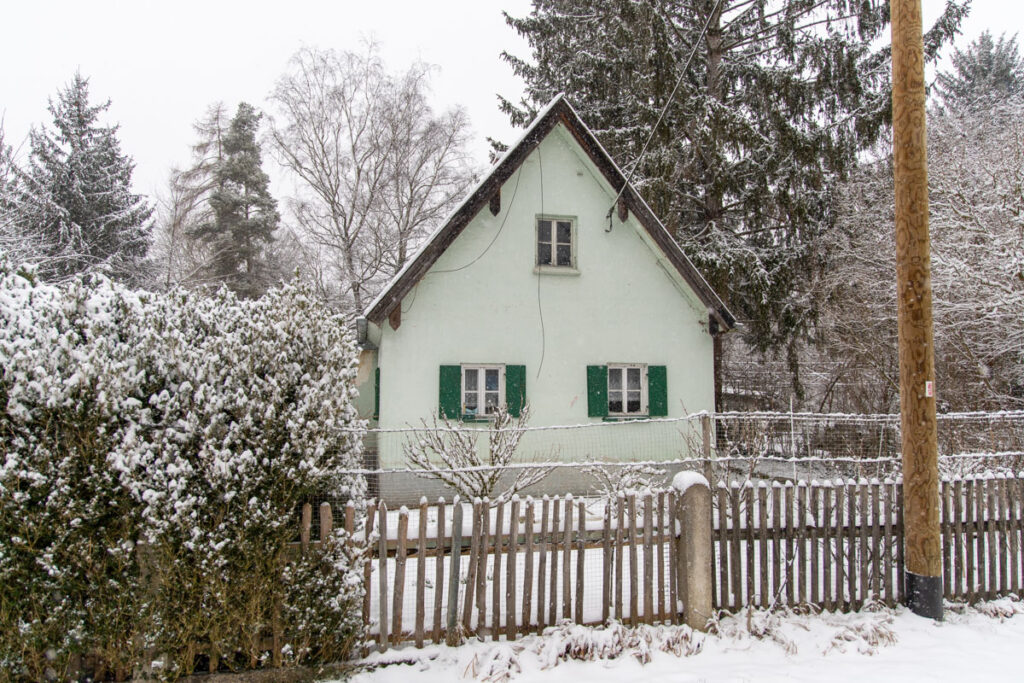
[(923, 579)]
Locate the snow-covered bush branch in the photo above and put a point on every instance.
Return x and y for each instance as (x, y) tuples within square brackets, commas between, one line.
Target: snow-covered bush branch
[(448, 451)]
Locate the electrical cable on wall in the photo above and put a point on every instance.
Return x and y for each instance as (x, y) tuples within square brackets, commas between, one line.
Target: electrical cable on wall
[(661, 116)]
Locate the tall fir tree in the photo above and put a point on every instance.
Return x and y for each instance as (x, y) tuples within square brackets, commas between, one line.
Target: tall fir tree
[(75, 197), (244, 213), (988, 72), (778, 100)]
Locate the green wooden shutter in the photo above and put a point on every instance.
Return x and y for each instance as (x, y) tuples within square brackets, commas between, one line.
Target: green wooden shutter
[(597, 390), (515, 389), (376, 393), (657, 391), (450, 392)]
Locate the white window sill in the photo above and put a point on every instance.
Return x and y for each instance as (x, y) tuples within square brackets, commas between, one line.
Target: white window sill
[(554, 270)]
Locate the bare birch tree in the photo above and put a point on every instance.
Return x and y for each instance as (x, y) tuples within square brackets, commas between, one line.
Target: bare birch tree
[(375, 166)]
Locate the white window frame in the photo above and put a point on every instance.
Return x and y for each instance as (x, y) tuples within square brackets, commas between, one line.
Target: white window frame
[(644, 405), (480, 390), (553, 266)]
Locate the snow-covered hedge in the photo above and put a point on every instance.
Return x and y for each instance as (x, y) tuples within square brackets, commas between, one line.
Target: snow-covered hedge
[(155, 449)]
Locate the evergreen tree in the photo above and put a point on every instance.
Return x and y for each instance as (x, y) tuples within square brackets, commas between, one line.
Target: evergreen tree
[(987, 72), (779, 98), (244, 213), (75, 197)]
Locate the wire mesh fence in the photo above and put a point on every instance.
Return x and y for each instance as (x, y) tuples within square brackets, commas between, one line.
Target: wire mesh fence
[(605, 457)]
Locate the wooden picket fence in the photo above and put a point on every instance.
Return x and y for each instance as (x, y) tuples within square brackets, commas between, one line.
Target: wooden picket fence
[(441, 571)]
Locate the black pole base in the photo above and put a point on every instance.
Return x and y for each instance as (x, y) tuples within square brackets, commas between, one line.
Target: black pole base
[(924, 595)]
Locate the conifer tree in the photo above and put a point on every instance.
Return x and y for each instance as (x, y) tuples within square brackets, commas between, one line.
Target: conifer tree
[(244, 214), (75, 196), (774, 107), (987, 72)]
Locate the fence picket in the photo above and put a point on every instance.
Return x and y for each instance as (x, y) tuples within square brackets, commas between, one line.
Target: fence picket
[(483, 555), (790, 547), (815, 533), (969, 533), (421, 572), (662, 615), (826, 544), (852, 556), (581, 526), (890, 598), (876, 541), (840, 540), (606, 564), (800, 572), (528, 569), (399, 591), (748, 539), (371, 514), (382, 576), (438, 571), (864, 554), (633, 588), (1003, 503), (724, 600), (499, 523), (474, 560), (776, 541), (899, 546), (553, 598), (762, 512), (946, 526), (991, 513), (673, 559), (735, 560), (1013, 512), (648, 558), (567, 559), (451, 626), (620, 505), (510, 585), (542, 563), (959, 544)]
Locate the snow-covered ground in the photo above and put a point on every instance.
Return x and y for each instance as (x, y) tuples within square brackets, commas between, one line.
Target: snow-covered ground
[(972, 644)]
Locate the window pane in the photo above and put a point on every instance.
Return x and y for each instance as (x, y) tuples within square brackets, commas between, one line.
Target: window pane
[(544, 254), (564, 255), (632, 401), (544, 231), (471, 379), (491, 379), (633, 378), (564, 232), (614, 379), (491, 402), (471, 402), (614, 403)]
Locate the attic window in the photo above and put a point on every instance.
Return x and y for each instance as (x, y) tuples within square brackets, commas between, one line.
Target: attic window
[(556, 246)]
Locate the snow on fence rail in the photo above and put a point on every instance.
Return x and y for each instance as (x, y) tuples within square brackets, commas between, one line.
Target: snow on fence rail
[(441, 571)]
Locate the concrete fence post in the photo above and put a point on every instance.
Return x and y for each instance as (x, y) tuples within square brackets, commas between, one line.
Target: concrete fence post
[(693, 549)]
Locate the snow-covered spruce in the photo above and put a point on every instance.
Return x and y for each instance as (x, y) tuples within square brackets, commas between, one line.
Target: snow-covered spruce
[(193, 425)]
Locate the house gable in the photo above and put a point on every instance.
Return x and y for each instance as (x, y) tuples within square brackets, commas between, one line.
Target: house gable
[(492, 192)]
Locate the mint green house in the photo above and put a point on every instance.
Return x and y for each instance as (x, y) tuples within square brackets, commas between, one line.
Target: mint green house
[(546, 287)]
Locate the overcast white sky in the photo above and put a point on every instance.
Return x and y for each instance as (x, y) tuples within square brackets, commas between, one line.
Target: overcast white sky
[(162, 63)]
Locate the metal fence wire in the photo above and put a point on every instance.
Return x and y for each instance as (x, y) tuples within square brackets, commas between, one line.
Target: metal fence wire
[(592, 460)]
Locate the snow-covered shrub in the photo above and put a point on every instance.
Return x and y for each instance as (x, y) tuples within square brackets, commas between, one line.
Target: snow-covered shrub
[(194, 426), (450, 452), (69, 392)]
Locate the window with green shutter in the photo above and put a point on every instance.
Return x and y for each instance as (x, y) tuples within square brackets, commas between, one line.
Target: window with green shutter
[(622, 390), (476, 391)]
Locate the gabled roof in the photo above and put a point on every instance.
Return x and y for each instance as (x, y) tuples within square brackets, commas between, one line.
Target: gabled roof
[(557, 111)]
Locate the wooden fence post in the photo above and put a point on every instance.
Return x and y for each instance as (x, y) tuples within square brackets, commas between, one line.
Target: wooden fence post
[(706, 428), (693, 557)]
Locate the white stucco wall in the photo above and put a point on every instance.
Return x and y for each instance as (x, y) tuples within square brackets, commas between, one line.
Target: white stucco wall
[(483, 303)]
